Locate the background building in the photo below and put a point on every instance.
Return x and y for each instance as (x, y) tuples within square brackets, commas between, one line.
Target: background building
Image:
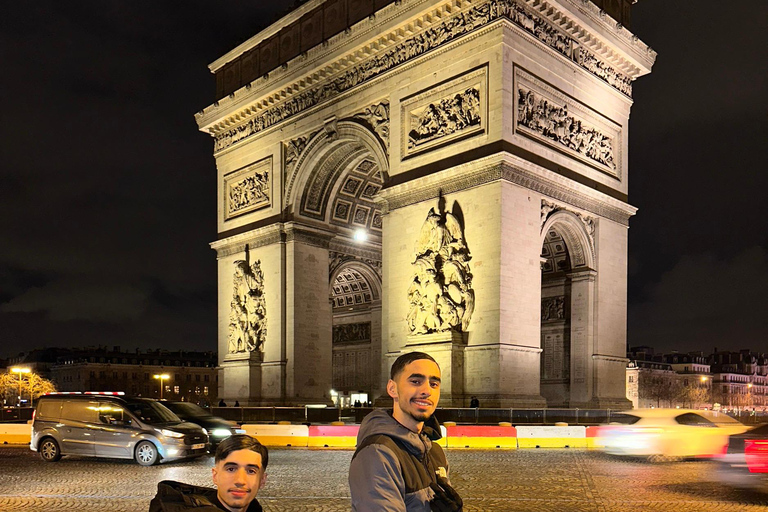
[(192, 376)]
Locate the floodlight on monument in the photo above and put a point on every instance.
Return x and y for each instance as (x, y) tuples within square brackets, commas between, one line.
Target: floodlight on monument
[(361, 235)]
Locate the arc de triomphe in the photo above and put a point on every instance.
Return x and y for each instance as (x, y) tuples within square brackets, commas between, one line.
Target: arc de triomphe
[(439, 175)]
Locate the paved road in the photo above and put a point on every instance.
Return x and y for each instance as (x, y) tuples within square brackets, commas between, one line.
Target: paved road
[(316, 481)]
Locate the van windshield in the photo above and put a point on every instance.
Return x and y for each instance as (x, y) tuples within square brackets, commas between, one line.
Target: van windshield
[(151, 412)]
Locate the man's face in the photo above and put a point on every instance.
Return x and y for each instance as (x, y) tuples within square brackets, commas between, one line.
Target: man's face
[(238, 478), (416, 391)]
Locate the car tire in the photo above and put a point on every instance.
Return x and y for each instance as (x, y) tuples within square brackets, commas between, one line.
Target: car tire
[(49, 450), (146, 454)]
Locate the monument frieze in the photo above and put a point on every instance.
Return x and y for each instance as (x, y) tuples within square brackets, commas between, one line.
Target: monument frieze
[(435, 36)]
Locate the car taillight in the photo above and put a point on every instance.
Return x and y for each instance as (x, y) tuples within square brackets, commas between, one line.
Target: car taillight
[(756, 455)]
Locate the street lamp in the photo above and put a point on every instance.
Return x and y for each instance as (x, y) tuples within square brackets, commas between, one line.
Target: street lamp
[(20, 371), (162, 377)]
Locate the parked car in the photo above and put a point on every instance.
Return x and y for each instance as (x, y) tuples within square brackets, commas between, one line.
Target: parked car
[(112, 425), (745, 463), (218, 428), (669, 433)]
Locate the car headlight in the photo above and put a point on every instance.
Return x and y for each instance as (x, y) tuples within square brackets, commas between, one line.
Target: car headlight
[(221, 432), (171, 433)]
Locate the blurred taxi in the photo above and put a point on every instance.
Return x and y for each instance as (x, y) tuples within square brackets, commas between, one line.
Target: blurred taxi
[(669, 433), (745, 463)]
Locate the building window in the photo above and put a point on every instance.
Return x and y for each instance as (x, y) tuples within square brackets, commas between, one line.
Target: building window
[(206, 377), (631, 378), (205, 390), (197, 378), (176, 389), (189, 378)]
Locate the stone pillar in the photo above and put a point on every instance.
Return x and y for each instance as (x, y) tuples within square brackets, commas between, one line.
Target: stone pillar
[(582, 336), (309, 321), (240, 378)]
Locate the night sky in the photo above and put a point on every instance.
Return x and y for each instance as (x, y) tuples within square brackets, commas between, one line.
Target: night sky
[(107, 188)]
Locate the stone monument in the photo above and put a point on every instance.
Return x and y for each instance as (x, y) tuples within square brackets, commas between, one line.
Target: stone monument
[(439, 175)]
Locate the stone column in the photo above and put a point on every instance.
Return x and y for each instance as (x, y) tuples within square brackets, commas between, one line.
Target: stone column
[(309, 321), (582, 336)]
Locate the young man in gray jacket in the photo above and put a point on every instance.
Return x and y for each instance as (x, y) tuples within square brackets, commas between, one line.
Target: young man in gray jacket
[(397, 467)]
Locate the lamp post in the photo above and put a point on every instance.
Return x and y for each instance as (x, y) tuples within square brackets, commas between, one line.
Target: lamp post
[(20, 371), (162, 377)]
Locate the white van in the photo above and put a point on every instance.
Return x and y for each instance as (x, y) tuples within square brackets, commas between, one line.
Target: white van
[(112, 425)]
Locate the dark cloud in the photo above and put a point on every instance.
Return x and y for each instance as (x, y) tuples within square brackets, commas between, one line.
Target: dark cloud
[(697, 174), (705, 301), (75, 298)]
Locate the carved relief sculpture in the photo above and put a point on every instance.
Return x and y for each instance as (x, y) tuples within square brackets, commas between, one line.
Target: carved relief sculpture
[(441, 295), (377, 118), (247, 189), (553, 308), (445, 117), (555, 123), (352, 333), (248, 312), (446, 113)]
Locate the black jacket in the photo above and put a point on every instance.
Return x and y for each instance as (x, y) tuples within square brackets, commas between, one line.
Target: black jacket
[(178, 497)]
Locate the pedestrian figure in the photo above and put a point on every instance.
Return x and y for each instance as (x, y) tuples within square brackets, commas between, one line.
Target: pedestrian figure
[(237, 403), (222, 403), (474, 403), (397, 467), (239, 472)]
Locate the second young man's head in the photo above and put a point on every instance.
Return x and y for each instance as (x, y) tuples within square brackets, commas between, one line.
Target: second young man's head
[(414, 386), (239, 471)]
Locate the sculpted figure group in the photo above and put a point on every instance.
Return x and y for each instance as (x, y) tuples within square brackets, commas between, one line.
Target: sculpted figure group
[(247, 320), (440, 295)]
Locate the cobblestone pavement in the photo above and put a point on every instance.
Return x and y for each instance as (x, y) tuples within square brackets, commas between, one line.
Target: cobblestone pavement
[(302, 480)]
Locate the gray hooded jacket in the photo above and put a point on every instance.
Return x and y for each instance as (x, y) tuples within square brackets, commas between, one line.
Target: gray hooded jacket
[(376, 480)]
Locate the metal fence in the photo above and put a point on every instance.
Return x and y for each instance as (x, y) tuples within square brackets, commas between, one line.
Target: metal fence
[(461, 416)]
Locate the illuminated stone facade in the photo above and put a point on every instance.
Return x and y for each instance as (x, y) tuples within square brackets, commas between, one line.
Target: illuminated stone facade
[(503, 123)]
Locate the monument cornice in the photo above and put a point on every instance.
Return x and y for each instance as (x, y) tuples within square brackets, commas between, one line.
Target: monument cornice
[(295, 232), (236, 244), (610, 358), (510, 168), (353, 249), (251, 110)]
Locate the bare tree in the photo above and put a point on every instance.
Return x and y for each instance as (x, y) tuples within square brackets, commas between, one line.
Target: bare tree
[(697, 395), (31, 385), (659, 386)]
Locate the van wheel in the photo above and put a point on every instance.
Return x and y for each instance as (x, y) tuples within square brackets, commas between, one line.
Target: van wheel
[(146, 454), (49, 450)]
